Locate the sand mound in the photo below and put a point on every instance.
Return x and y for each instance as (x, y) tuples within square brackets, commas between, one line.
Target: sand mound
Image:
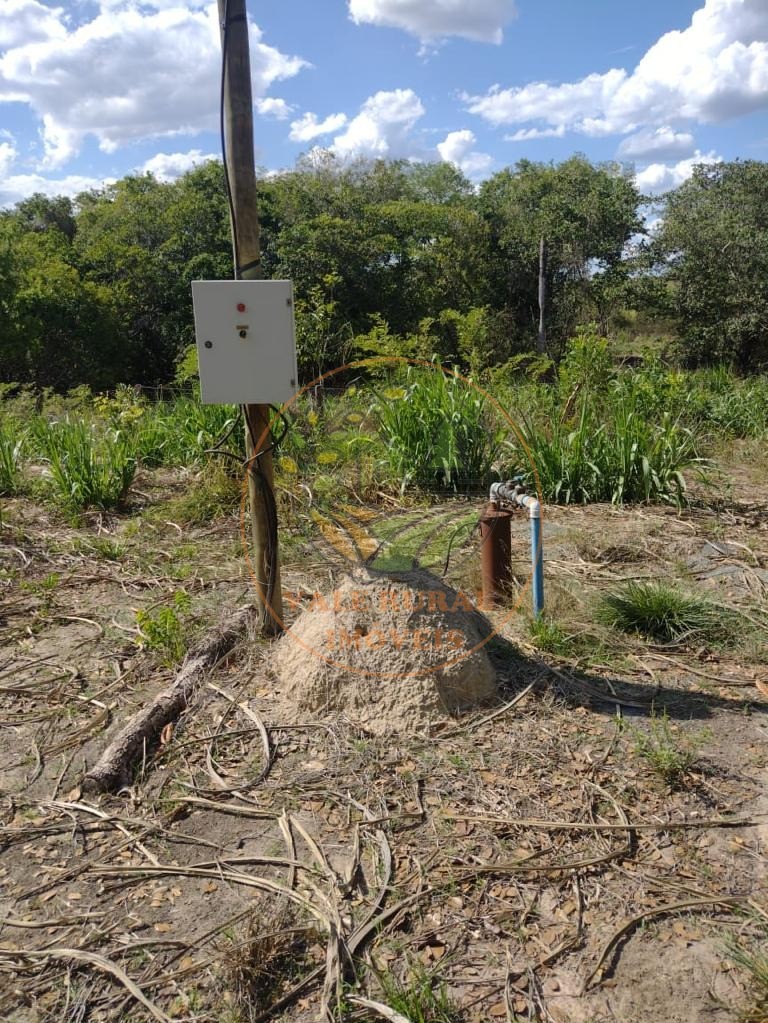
[(391, 652)]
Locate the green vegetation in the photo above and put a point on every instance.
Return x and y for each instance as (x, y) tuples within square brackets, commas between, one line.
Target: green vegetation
[(437, 432), (393, 258), (420, 997), (715, 235), (751, 954), (213, 493), (11, 458), (608, 454), (176, 431), (549, 636), (663, 612), (593, 431), (89, 467), (164, 630), (670, 754)]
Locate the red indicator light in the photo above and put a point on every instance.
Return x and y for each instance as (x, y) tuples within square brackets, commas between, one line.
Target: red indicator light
[(241, 307)]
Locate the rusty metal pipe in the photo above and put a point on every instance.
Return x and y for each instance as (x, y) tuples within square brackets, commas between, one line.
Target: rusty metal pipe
[(496, 543)]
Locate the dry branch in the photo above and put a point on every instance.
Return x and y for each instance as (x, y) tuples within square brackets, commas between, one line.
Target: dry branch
[(114, 768), (93, 959), (597, 975)]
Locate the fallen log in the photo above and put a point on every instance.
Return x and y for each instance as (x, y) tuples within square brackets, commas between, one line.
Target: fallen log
[(114, 768)]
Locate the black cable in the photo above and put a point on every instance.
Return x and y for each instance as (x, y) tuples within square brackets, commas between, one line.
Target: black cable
[(286, 426), (217, 447)]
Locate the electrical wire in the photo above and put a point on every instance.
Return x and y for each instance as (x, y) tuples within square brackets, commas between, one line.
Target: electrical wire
[(217, 448), (286, 426)]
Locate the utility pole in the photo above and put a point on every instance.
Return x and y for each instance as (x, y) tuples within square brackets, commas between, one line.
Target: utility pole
[(241, 170), (541, 343)]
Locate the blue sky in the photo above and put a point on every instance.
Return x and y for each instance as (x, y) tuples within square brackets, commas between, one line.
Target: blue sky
[(91, 90)]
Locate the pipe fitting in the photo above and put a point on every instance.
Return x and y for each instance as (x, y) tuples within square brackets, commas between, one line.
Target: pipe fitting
[(513, 492)]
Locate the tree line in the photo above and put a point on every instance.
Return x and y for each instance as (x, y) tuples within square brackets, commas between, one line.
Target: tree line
[(390, 257)]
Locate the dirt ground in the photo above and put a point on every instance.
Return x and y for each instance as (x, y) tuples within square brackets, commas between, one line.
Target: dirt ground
[(527, 862)]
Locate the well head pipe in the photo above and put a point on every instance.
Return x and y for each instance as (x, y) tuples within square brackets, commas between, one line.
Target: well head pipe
[(496, 544)]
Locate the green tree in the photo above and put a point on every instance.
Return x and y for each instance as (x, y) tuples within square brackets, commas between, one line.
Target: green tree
[(146, 241), (714, 248), (65, 331), (586, 214)]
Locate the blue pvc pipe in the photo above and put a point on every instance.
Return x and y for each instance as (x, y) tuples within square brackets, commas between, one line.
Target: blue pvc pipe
[(537, 560)]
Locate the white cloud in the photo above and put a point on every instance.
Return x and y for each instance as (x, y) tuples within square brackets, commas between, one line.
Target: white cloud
[(569, 105), (16, 187), (456, 148), (383, 127), (272, 106), (169, 166), (661, 177), (8, 156), (129, 73), (158, 5), (662, 143), (307, 127), (428, 20), (28, 21), (526, 134), (715, 69)]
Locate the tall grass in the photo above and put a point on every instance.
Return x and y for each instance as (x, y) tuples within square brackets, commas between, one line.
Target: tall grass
[(11, 459), (437, 432), (172, 432), (182, 432), (708, 401), (607, 454), (89, 467)]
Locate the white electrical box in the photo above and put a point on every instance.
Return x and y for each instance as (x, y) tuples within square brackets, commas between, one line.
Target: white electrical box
[(246, 341)]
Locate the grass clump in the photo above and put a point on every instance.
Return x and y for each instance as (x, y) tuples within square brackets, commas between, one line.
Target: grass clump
[(419, 997), (549, 636), (663, 612), (213, 493), (11, 460), (752, 956), (89, 467), (261, 961), (669, 755)]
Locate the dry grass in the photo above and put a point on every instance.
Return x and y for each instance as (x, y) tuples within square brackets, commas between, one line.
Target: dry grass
[(506, 860)]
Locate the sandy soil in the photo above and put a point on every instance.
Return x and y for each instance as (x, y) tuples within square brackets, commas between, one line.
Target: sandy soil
[(526, 860)]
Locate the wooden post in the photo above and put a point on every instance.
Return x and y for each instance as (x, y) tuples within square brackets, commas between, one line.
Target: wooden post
[(541, 343), (238, 137)]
